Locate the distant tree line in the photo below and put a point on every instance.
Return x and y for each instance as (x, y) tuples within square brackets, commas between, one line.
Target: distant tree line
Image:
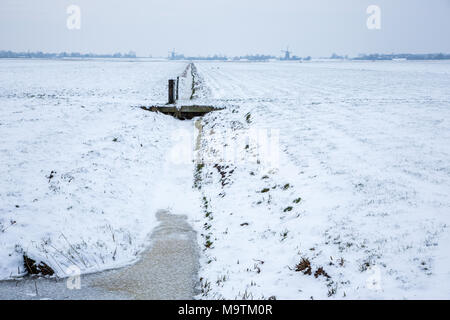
[(255, 57), (407, 56), (248, 57), (209, 58), (62, 55), (393, 56)]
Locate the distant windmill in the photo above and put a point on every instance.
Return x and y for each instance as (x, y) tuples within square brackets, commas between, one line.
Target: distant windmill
[(172, 54), (287, 54)]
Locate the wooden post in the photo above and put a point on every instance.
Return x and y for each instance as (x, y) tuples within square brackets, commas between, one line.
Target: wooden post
[(171, 91), (178, 81)]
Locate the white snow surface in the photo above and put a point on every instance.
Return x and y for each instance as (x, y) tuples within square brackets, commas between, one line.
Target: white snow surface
[(83, 172), (361, 190), (366, 146)]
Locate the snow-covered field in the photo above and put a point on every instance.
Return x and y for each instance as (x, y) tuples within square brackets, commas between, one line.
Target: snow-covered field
[(82, 172), (356, 207), (362, 190)]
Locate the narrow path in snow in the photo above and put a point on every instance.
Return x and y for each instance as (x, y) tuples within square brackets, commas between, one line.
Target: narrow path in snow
[(167, 270)]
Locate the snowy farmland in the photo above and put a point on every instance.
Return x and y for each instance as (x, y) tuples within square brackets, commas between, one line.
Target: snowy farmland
[(83, 172), (356, 206)]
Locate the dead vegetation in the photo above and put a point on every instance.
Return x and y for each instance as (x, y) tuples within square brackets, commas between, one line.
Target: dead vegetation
[(34, 268), (304, 266), (297, 201), (51, 175), (321, 272), (225, 174), (4, 228), (286, 186), (248, 118), (198, 176)]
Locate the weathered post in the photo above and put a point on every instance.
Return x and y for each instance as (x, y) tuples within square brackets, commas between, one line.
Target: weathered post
[(171, 91), (178, 81)]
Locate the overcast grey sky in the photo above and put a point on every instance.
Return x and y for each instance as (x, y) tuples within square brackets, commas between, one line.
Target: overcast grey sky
[(232, 27)]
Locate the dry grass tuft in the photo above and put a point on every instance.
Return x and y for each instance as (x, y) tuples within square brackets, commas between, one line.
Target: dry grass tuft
[(304, 266), (321, 272)]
